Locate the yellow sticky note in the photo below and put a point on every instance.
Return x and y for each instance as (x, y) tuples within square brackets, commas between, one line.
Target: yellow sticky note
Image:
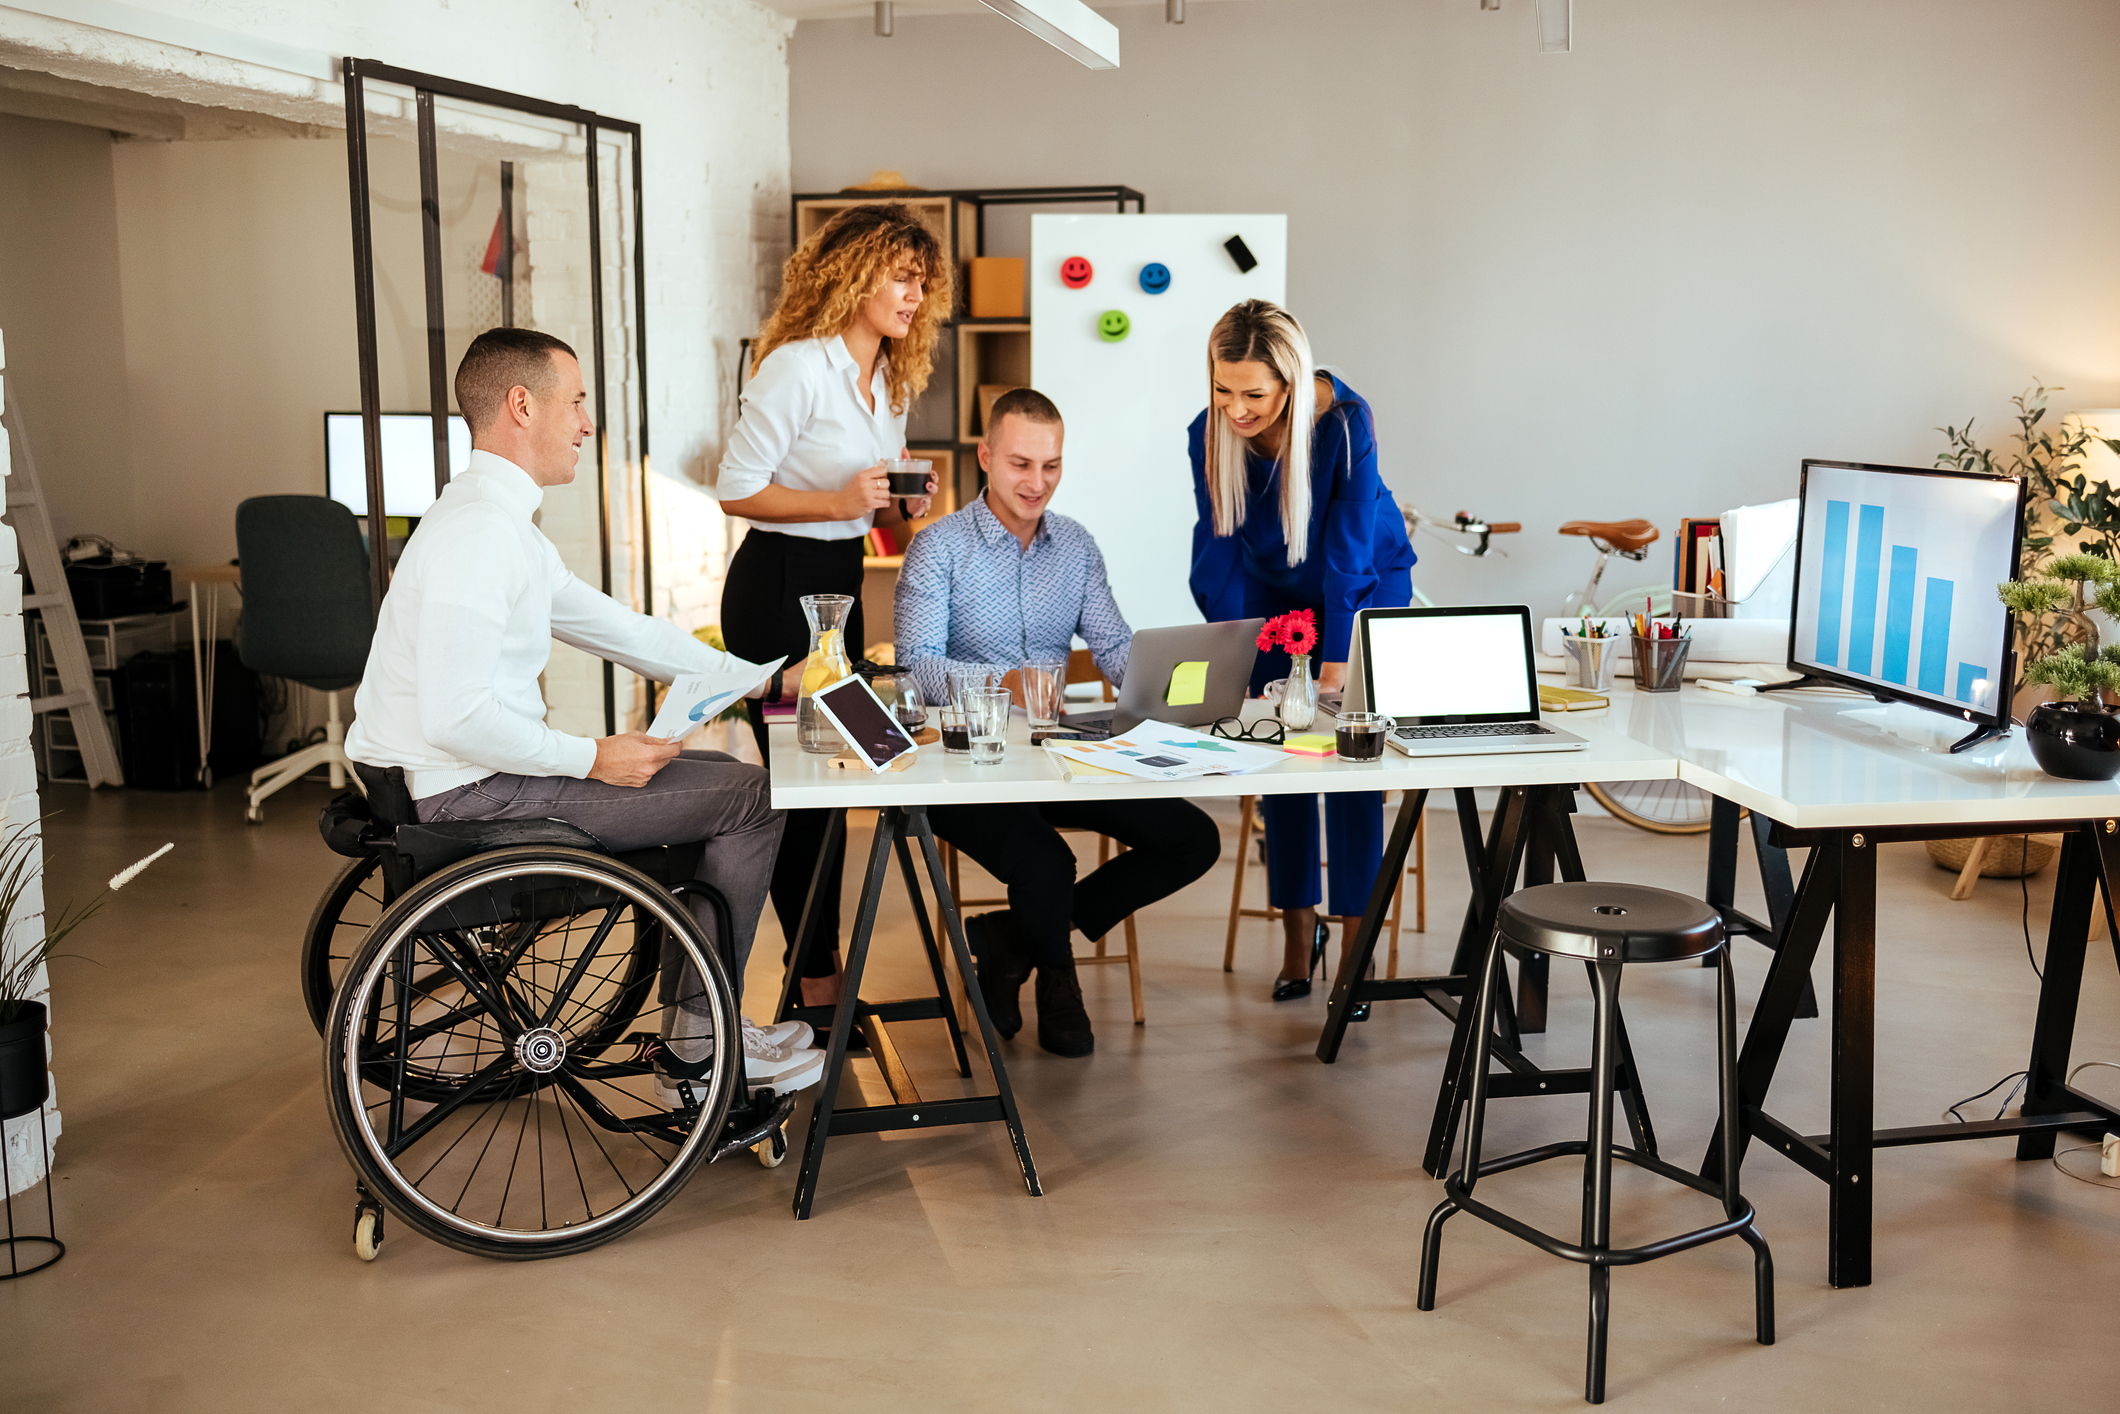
[(1188, 685)]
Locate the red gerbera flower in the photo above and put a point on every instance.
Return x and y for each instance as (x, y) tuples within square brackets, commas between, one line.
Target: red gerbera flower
[(1301, 633)]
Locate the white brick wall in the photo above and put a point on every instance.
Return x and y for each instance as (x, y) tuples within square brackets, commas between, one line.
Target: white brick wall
[(26, 1159)]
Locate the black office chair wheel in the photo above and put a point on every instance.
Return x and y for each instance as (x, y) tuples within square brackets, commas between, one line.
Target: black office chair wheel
[(341, 921), (477, 1061)]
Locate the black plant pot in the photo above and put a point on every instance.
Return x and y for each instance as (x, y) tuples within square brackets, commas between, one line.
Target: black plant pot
[(2077, 741), (24, 1080)]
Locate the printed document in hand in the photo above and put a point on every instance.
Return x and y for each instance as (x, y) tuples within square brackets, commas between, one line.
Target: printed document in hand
[(698, 698), (1161, 752)]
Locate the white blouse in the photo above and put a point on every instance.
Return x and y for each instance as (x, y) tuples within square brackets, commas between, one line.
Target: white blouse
[(805, 426)]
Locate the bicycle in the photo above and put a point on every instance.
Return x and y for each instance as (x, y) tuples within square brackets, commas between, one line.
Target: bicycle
[(1660, 807)]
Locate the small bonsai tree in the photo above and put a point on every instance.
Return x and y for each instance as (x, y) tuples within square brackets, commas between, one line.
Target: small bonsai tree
[(2051, 609), (2076, 676)]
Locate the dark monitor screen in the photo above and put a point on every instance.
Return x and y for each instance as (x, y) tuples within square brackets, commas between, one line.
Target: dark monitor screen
[(1896, 569)]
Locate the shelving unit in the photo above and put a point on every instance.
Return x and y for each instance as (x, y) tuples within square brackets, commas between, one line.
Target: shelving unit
[(988, 351)]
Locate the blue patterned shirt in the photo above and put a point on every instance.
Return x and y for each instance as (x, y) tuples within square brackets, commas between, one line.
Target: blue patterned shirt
[(970, 595)]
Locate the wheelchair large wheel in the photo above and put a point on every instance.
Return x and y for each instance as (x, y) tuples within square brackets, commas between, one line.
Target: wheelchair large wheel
[(469, 1063), (342, 919)]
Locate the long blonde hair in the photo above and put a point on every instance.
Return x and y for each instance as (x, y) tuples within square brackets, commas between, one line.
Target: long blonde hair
[(826, 280), (1257, 331)]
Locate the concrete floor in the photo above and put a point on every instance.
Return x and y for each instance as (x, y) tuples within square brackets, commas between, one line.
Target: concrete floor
[(1227, 1224)]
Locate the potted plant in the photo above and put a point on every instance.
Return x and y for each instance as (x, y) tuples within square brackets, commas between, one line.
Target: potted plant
[(25, 1083), (2074, 736)]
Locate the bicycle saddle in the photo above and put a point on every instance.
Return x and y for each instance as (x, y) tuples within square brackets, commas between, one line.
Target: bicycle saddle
[(1619, 534)]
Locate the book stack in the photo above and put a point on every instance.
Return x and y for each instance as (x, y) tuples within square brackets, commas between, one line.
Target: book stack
[(884, 542), (1697, 565)]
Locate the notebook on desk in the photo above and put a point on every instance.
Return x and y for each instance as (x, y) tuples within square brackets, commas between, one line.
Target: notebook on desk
[(1457, 681)]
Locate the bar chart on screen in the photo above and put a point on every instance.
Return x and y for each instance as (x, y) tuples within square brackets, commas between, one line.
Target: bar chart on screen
[(1897, 579)]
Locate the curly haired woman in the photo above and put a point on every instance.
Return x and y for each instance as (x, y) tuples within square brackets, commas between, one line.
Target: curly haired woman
[(848, 347)]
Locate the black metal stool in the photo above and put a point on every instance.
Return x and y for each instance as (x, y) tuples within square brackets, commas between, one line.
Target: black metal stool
[(1607, 926)]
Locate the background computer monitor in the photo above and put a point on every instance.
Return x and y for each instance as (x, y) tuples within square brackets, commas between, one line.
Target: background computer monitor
[(408, 460), (1896, 569)]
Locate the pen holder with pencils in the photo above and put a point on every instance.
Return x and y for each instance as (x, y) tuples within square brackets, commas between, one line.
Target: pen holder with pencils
[(1659, 663), (1594, 660)]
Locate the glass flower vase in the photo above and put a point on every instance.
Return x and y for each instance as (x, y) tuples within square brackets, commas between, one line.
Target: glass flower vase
[(1299, 700)]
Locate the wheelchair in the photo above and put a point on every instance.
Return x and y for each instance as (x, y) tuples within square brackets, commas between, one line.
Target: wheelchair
[(492, 996)]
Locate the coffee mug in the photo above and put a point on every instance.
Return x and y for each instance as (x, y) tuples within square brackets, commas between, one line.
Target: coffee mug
[(1360, 736), (908, 478)]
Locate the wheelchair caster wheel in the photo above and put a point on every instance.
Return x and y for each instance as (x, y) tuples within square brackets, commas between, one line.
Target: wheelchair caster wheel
[(253, 814), (772, 1150), (367, 1231)]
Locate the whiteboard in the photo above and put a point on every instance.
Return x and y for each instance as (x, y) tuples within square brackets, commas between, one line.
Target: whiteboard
[(1127, 403)]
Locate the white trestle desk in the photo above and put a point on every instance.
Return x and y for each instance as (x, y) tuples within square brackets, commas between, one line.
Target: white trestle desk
[(1835, 773), (1841, 774), (1534, 787)]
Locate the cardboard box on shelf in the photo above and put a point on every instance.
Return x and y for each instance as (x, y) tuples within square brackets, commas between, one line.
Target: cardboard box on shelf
[(996, 287), (989, 394)]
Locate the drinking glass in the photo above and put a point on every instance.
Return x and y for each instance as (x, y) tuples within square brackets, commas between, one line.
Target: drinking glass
[(1360, 736), (987, 718), (1043, 684), (964, 681), (912, 709), (956, 731)]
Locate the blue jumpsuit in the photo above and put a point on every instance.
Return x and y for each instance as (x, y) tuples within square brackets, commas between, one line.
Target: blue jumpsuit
[(1359, 558)]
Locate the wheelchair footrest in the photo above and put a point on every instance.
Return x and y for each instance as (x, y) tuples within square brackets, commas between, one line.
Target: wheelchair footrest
[(766, 1113)]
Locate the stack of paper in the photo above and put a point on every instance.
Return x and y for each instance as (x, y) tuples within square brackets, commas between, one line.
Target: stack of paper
[(700, 697), (1157, 751)]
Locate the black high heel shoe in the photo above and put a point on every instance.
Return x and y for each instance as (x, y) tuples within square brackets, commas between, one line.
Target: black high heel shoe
[(1288, 989)]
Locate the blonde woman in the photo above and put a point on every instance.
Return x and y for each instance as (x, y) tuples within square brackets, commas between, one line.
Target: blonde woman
[(1292, 515), (848, 347)]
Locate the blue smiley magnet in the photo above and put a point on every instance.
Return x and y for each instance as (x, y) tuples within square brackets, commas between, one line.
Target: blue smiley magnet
[(1113, 325), (1155, 278)]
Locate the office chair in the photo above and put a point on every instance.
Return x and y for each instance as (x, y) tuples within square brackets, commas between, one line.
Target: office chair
[(307, 617)]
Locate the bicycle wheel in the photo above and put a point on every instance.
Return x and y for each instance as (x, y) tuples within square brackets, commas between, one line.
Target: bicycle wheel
[(1663, 807), (464, 1057), (342, 919)]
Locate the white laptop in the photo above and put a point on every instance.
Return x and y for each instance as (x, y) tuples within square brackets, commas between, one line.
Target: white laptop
[(1457, 681)]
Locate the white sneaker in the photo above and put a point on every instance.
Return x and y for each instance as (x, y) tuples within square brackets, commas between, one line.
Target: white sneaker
[(794, 1034), (782, 1069)]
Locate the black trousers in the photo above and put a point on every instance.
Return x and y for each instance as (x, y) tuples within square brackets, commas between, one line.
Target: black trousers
[(762, 619), (1169, 843)]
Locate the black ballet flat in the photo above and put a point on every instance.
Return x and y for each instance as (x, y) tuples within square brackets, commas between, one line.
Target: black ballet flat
[(1294, 989)]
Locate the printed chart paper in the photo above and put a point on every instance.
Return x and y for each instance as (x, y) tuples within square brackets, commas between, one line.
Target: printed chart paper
[(698, 698), (1158, 751)]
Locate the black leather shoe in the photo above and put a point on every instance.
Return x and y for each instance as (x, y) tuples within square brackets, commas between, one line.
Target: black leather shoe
[(1287, 989), (1063, 1025), (1004, 967)]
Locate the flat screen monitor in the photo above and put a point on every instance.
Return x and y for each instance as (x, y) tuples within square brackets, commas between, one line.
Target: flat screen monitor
[(1896, 569), (408, 460)]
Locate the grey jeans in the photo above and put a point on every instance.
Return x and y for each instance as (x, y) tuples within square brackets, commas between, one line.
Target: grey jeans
[(701, 795)]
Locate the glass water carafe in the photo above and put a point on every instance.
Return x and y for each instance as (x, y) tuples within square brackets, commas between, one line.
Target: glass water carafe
[(828, 663)]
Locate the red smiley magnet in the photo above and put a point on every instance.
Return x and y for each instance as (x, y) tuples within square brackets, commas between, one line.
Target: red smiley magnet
[(1075, 272)]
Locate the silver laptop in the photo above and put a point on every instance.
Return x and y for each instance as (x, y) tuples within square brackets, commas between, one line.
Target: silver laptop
[(1458, 681), (1153, 677)]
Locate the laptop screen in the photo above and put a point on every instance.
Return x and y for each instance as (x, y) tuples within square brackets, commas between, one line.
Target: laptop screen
[(1432, 666)]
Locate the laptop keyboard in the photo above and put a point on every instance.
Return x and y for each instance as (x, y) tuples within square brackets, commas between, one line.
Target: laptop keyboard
[(1482, 729)]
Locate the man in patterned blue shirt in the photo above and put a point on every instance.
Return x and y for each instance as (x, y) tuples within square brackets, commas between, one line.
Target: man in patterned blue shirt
[(999, 582)]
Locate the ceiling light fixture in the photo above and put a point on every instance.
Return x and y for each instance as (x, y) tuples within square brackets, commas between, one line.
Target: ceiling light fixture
[(1069, 26), (1174, 12), (1556, 18), (884, 17), (1490, 4)]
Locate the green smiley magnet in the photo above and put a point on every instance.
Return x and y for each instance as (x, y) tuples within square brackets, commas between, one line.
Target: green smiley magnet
[(1113, 325)]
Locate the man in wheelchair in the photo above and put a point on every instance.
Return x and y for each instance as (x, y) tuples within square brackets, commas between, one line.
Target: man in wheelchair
[(451, 695)]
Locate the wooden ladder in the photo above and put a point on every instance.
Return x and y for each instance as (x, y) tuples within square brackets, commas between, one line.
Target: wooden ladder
[(39, 548)]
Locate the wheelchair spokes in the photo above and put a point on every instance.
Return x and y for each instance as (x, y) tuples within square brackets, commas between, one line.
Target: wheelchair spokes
[(471, 1059)]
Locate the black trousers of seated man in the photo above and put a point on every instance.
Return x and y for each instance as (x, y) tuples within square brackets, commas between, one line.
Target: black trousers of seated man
[(1169, 843)]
